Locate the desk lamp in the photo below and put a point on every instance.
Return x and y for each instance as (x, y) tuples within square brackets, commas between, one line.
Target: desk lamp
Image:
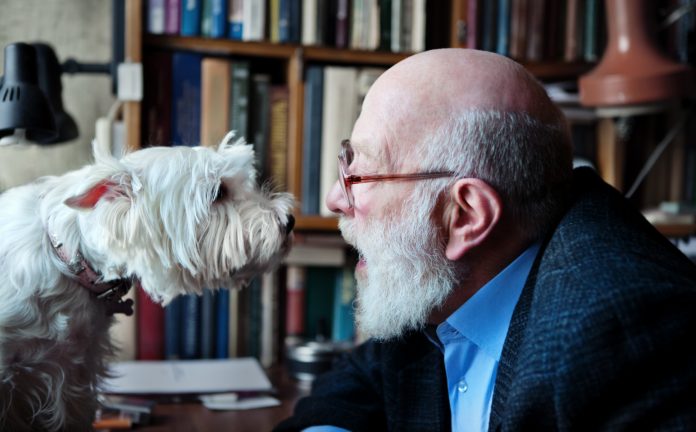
[(25, 112)]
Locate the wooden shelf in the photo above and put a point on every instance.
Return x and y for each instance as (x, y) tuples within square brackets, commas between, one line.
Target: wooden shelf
[(272, 50), (316, 223), (558, 70)]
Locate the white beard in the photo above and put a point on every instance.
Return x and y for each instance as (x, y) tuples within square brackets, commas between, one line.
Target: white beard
[(408, 275)]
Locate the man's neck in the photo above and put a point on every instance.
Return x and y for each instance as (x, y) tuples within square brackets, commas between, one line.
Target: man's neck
[(480, 266)]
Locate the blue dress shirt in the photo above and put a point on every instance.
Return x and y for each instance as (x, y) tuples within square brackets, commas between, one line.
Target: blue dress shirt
[(471, 340)]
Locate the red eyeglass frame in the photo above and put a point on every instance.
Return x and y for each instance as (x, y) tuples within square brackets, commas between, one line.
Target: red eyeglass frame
[(345, 157)]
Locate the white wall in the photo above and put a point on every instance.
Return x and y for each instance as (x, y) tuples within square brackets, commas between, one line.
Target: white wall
[(80, 29)]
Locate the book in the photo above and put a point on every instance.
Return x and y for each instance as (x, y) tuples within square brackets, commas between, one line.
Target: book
[(222, 323), (186, 98), (406, 25), (343, 326), (186, 377), (218, 19), (489, 25), (418, 26), (191, 11), (150, 328), (395, 26), (155, 16), (278, 139), (206, 17), (208, 327), (573, 26), (342, 23), (190, 319), (339, 114), (259, 122), (235, 19), (274, 20), (172, 17), (239, 99), (385, 22), (216, 86), (254, 27), (295, 301), (503, 27), (270, 327), (518, 29), (535, 27), (473, 20), (172, 329), (309, 22), (295, 21), (320, 283), (157, 99), (303, 254), (311, 140)]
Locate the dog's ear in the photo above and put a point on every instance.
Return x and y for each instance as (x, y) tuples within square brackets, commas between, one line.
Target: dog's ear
[(107, 189)]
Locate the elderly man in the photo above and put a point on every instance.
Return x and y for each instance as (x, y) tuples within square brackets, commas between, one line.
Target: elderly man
[(502, 289)]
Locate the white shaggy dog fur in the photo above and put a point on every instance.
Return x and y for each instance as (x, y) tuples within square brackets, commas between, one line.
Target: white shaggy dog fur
[(174, 219)]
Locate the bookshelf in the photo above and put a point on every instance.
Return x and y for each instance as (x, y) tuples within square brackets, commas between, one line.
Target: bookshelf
[(292, 60)]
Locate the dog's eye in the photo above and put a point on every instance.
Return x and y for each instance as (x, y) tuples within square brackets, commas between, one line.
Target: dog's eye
[(220, 193)]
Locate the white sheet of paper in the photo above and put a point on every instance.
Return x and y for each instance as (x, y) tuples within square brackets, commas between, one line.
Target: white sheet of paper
[(187, 376)]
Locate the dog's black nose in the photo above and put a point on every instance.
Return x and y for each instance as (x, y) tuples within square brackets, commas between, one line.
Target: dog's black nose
[(291, 224)]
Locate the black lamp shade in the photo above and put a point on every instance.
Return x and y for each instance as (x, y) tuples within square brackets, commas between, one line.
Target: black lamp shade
[(22, 103), (49, 73)]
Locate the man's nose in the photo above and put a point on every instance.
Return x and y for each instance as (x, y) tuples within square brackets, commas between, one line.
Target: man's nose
[(336, 200)]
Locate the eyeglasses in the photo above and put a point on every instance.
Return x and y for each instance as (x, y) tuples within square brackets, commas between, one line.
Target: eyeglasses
[(345, 158)]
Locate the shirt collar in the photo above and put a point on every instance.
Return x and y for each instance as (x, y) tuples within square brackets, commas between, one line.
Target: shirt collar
[(484, 318)]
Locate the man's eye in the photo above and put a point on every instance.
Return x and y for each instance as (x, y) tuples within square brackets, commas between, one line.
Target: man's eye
[(220, 193)]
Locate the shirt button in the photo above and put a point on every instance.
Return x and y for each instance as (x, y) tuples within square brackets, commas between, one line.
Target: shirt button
[(462, 386)]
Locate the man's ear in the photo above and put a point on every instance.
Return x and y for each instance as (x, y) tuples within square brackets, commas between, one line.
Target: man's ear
[(473, 212)]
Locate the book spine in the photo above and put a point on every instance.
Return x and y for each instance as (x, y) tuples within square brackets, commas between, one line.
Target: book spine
[(215, 100), (206, 17), (284, 21), (155, 16), (295, 301), (186, 98), (342, 23), (503, 38), (236, 19), (278, 141), (157, 99), (172, 17), (239, 100), (311, 148), (190, 326), (191, 17), (172, 329), (385, 22), (294, 21), (472, 24), (320, 283), (208, 300), (259, 120), (222, 323), (309, 22), (218, 22), (150, 325), (343, 328)]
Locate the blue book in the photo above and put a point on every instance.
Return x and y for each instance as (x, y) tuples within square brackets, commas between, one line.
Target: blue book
[(222, 323), (235, 22), (172, 329), (284, 20), (503, 42), (311, 142), (191, 11), (208, 323), (295, 21), (218, 21), (343, 328), (190, 327), (186, 98), (319, 297)]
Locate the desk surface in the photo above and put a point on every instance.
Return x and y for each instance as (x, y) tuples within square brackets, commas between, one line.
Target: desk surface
[(194, 417)]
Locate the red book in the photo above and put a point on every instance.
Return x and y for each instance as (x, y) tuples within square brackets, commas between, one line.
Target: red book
[(295, 301), (150, 328)]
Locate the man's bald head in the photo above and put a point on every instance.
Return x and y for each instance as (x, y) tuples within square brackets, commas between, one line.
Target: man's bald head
[(439, 82)]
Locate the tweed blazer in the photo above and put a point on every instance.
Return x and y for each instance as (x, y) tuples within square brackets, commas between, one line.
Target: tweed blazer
[(601, 339)]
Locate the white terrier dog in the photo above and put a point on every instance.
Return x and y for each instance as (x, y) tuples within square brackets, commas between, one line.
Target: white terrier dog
[(172, 219)]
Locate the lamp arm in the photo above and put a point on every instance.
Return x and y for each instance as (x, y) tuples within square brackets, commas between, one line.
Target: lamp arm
[(73, 66)]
